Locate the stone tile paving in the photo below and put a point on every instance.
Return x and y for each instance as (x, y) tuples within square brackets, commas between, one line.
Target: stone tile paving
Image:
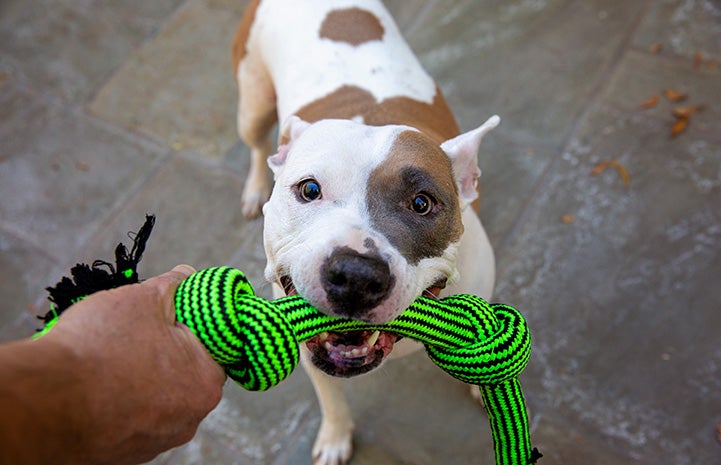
[(115, 109), (180, 88), (69, 47)]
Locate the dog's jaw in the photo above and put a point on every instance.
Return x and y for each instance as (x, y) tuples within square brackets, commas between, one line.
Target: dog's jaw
[(356, 352)]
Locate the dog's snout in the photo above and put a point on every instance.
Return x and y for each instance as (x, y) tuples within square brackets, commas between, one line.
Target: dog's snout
[(355, 283)]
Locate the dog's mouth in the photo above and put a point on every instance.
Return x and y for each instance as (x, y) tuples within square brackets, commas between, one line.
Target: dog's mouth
[(352, 353)]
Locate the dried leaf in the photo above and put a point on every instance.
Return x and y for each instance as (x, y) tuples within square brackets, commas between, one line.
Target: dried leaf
[(568, 219), (679, 126), (674, 96), (718, 432), (622, 171), (697, 59), (82, 166), (655, 48), (685, 112), (650, 102)]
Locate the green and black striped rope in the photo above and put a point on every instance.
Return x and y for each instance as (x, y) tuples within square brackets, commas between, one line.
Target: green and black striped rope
[(257, 342)]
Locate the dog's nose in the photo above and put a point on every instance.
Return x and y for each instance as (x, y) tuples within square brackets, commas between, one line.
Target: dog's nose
[(355, 283)]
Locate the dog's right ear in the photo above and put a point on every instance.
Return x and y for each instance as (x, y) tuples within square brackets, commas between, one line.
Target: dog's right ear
[(291, 130)]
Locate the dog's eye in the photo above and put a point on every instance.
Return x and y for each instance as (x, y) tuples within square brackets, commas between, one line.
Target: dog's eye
[(309, 190), (422, 204)]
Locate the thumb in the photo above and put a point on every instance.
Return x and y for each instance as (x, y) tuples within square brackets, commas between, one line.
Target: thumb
[(166, 284)]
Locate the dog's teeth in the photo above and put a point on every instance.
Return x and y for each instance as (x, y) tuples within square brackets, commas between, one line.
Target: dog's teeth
[(327, 346), (355, 353), (364, 350), (374, 337), (323, 336)]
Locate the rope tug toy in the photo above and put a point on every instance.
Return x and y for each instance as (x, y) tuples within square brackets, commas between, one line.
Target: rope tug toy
[(256, 340)]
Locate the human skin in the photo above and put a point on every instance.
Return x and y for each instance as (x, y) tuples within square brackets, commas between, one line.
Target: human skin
[(117, 380)]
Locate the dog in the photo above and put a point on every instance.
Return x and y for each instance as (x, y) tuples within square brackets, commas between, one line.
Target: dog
[(371, 204)]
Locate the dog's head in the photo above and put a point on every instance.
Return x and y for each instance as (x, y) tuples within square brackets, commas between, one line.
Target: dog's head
[(364, 219)]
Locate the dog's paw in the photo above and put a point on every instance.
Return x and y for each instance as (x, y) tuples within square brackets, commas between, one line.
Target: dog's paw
[(256, 191), (333, 446), (252, 202), (476, 395)]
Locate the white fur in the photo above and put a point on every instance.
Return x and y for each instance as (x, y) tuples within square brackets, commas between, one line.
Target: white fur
[(283, 32), (341, 155), (463, 152), (287, 67)]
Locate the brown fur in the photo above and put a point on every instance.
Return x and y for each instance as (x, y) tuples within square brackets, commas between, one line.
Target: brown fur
[(351, 25), (241, 34), (415, 164), (435, 120)]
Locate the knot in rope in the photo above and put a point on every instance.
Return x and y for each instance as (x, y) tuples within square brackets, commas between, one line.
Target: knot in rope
[(257, 342)]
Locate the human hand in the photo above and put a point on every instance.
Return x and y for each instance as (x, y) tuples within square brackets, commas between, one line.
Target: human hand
[(146, 381)]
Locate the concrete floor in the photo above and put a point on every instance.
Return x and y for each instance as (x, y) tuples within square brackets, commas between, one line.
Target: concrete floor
[(114, 109)]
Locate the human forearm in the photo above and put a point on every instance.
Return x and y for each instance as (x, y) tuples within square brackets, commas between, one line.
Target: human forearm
[(43, 403), (116, 381)]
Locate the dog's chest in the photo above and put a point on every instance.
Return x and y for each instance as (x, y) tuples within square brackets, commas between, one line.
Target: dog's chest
[(313, 48)]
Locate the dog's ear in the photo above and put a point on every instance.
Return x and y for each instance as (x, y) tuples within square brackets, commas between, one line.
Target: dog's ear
[(291, 130), (463, 152)]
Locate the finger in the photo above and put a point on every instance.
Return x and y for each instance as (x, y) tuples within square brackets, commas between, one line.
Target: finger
[(178, 274), (166, 284)]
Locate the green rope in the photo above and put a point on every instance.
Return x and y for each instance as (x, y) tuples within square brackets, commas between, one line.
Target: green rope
[(257, 343)]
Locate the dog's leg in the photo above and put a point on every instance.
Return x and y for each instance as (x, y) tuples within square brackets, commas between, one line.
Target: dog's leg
[(256, 117), (333, 445)]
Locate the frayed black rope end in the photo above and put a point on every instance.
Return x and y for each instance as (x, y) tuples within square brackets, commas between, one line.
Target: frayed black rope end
[(535, 455), (101, 275), (127, 263)]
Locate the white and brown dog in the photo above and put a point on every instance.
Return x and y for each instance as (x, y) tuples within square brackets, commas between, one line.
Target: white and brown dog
[(373, 183)]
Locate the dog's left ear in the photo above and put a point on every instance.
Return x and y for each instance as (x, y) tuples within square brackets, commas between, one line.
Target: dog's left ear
[(291, 130), (463, 152)]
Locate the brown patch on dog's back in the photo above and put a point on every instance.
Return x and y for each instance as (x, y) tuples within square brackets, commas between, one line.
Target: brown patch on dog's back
[(415, 164), (351, 25), (241, 34), (434, 120)]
